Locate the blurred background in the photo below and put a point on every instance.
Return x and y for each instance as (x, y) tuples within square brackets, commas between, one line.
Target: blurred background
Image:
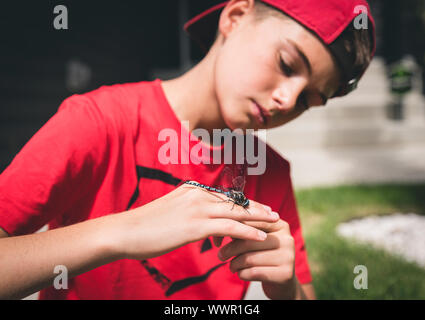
[(362, 155)]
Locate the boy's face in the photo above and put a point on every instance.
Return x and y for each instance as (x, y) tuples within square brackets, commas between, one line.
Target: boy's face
[(268, 72)]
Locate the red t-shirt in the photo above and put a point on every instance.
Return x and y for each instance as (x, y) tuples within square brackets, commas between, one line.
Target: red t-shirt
[(99, 155)]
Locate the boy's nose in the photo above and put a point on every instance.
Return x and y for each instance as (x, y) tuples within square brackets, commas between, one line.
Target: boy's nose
[(285, 97)]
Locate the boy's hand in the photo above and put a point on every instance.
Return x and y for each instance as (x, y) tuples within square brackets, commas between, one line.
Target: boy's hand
[(270, 261), (185, 215)]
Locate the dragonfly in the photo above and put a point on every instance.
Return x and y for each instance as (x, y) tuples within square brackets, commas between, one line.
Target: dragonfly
[(233, 190)]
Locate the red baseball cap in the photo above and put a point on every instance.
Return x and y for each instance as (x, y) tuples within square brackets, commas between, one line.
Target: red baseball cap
[(326, 19)]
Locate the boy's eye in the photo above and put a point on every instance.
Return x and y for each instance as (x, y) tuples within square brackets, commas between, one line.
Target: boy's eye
[(287, 70)]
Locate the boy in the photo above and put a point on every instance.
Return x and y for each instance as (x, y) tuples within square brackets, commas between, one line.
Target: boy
[(118, 223)]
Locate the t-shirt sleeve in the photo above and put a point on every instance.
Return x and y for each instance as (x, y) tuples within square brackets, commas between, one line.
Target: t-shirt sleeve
[(60, 164), (289, 213)]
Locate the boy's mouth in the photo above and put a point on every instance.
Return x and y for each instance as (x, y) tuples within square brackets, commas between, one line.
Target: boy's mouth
[(260, 114)]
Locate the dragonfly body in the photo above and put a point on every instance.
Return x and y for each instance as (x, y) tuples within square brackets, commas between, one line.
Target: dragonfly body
[(237, 197)]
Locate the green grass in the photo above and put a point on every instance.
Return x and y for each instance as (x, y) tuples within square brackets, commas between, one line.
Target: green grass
[(333, 258)]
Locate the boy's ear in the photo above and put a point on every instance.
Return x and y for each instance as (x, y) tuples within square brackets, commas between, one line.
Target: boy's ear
[(232, 15)]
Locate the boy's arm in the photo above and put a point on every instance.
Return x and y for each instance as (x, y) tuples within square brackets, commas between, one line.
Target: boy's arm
[(293, 290), (307, 292), (27, 262)]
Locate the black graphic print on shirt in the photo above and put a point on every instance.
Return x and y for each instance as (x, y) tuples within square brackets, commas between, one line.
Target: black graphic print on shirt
[(170, 287)]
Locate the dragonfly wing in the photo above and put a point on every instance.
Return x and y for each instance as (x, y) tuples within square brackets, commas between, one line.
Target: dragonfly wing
[(239, 177), (239, 183), (226, 178)]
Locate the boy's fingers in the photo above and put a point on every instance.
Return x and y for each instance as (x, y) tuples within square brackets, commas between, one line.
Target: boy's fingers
[(225, 208), (234, 229), (239, 246), (254, 205), (268, 226), (255, 212)]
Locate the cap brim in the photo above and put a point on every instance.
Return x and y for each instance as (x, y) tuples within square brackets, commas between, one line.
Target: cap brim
[(203, 27)]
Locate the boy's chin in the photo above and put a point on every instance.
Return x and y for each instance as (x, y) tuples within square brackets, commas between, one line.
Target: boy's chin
[(237, 125), (242, 129), (239, 122)]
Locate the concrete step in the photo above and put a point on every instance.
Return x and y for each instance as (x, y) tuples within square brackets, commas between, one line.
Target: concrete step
[(346, 166), (373, 108), (367, 106), (345, 133), (335, 112)]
